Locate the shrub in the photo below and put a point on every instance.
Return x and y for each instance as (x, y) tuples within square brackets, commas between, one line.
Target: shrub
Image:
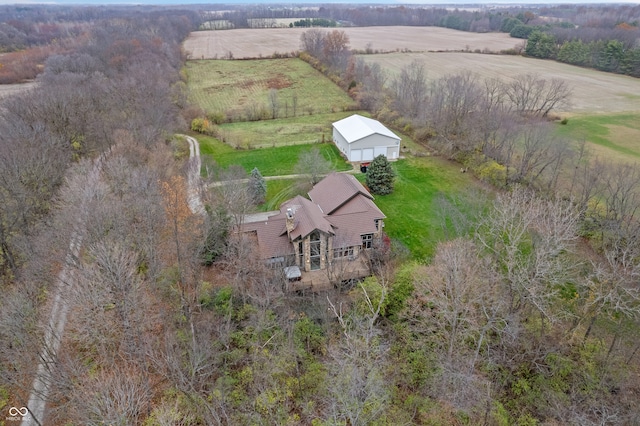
[(492, 172)]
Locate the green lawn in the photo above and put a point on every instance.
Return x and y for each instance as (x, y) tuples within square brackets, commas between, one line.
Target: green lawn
[(280, 190), (414, 216), (241, 88), (614, 137), (270, 161)]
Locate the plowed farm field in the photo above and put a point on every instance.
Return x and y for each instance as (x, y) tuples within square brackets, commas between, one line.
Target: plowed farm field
[(257, 43), (593, 92)]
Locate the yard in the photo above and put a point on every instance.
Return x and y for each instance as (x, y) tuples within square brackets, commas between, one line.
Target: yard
[(416, 214), (276, 161)]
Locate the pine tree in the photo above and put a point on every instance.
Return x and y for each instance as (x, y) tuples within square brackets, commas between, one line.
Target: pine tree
[(380, 176), (257, 187)]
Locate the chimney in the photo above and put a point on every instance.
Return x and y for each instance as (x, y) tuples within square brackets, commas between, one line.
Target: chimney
[(290, 223)]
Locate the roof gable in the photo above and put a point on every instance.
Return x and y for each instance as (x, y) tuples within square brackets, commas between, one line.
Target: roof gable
[(356, 127), (307, 217), (335, 190)]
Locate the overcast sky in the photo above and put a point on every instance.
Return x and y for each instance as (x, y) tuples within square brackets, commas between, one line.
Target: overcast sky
[(415, 2)]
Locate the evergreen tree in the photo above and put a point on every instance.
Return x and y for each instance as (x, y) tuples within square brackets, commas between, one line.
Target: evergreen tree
[(257, 187), (380, 176)]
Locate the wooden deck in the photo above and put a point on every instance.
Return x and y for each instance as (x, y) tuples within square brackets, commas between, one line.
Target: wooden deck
[(318, 281)]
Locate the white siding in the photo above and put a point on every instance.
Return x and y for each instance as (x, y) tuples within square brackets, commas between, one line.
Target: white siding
[(368, 147), (380, 150)]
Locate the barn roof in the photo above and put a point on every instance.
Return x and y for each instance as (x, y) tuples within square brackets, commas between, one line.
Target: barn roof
[(356, 127)]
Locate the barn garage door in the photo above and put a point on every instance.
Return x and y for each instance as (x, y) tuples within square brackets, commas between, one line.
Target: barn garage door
[(380, 150), (356, 155), (367, 154)]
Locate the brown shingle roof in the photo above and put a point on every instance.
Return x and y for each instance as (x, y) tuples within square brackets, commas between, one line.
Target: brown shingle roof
[(335, 190), (307, 217), (340, 206), (271, 241)]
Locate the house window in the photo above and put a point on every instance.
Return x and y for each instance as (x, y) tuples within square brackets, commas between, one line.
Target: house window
[(315, 252), (275, 262), (300, 253), (367, 241), (342, 252), (377, 222)]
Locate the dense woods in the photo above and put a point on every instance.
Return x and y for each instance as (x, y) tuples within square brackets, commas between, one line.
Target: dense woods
[(527, 314)]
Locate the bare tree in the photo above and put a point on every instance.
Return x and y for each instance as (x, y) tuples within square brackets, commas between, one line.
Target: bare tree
[(586, 179), (358, 392), (452, 101), (528, 239), (32, 164), (335, 49), (541, 153), (115, 396), (612, 289), (531, 94), (312, 41), (231, 193), (312, 164), (273, 103), (294, 104), (372, 79), (410, 90)]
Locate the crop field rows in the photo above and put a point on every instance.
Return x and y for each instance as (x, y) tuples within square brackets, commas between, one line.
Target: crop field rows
[(258, 43)]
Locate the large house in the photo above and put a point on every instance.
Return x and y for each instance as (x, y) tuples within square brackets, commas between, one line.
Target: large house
[(361, 139), (327, 232)]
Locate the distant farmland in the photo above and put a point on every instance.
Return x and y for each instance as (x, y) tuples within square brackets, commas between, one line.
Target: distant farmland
[(593, 91), (256, 43)]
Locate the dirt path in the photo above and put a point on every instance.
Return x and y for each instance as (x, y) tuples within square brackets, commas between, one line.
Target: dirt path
[(54, 329), (194, 183)]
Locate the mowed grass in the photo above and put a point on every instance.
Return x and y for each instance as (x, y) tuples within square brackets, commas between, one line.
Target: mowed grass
[(614, 137), (235, 87), (414, 216), (281, 190), (286, 131), (276, 161)]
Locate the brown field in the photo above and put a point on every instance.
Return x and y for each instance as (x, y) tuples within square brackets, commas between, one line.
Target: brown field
[(255, 43), (10, 89), (594, 92)]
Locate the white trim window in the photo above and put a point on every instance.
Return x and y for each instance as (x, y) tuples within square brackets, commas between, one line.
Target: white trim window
[(341, 252), (367, 241)]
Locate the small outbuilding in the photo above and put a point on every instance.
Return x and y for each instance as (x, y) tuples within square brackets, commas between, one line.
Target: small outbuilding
[(361, 139)]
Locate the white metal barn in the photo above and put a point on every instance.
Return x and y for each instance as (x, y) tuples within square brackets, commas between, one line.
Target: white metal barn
[(362, 139)]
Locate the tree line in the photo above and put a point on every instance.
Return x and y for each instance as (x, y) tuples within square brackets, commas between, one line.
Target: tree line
[(502, 132), (511, 322)]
